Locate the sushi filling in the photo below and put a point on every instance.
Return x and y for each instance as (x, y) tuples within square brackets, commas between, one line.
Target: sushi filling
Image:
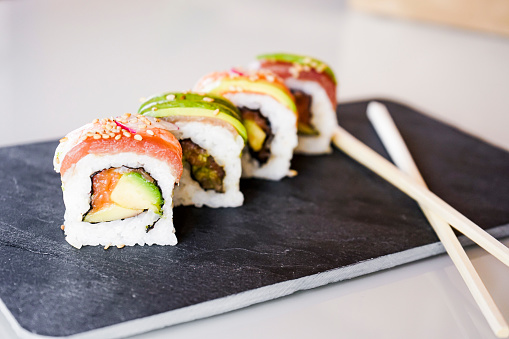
[(259, 134), (204, 169), (303, 103), (120, 193)]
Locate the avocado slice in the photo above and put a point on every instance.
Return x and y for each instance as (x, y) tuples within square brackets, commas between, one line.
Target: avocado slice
[(134, 191), (217, 106), (304, 129), (255, 135), (180, 97), (199, 112), (263, 87), (299, 59), (110, 212)]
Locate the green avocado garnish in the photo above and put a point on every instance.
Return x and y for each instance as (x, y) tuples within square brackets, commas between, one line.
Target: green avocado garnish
[(132, 195), (304, 129), (194, 97), (134, 191), (255, 135), (256, 87), (193, 104), (110, 213), (300, 59)]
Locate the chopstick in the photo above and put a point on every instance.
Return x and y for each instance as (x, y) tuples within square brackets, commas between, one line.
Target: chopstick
[(384, 168), (395, 146)]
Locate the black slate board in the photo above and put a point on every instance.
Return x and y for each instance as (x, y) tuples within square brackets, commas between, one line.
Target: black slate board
[(335, 220)]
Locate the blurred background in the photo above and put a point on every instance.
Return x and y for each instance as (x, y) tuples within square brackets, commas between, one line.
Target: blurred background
[(64, 63)]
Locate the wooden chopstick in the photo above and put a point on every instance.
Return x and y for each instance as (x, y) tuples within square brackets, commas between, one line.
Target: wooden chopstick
[(384, 168), (396, 147)]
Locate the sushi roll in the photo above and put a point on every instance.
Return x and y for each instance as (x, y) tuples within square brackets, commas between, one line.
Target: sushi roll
[(118, 176), (212, 137), (313, 85), (269, 115)]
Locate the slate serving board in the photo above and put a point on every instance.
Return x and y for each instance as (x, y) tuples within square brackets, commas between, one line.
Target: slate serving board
[(334, 221)]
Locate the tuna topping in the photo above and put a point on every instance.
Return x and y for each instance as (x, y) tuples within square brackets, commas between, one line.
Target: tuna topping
[(204, 169), (303, 103), (259, 134)]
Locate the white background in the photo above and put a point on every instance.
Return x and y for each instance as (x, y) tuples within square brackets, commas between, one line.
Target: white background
[(64, 63)]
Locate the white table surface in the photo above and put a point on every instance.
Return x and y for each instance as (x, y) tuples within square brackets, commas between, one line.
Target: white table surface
[(64, 63)]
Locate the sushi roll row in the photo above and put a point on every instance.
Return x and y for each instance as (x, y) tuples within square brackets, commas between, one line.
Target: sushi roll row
[(122, 176)]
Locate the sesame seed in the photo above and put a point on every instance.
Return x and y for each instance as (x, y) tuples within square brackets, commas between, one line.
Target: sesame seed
[(57, 160), (294, 72), (62, 227), (83, 138), (105, 136), (149, 131), (126, 134), (118, 136), (121, 246), (104, 120), (138, 137), (97, 136), (63, 139), (142, 126), (270, 78), (170, 97), (107, 246), (142, 99), (95, 121), (216, 112), (154, 108), (158, 120), (207, 99)]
